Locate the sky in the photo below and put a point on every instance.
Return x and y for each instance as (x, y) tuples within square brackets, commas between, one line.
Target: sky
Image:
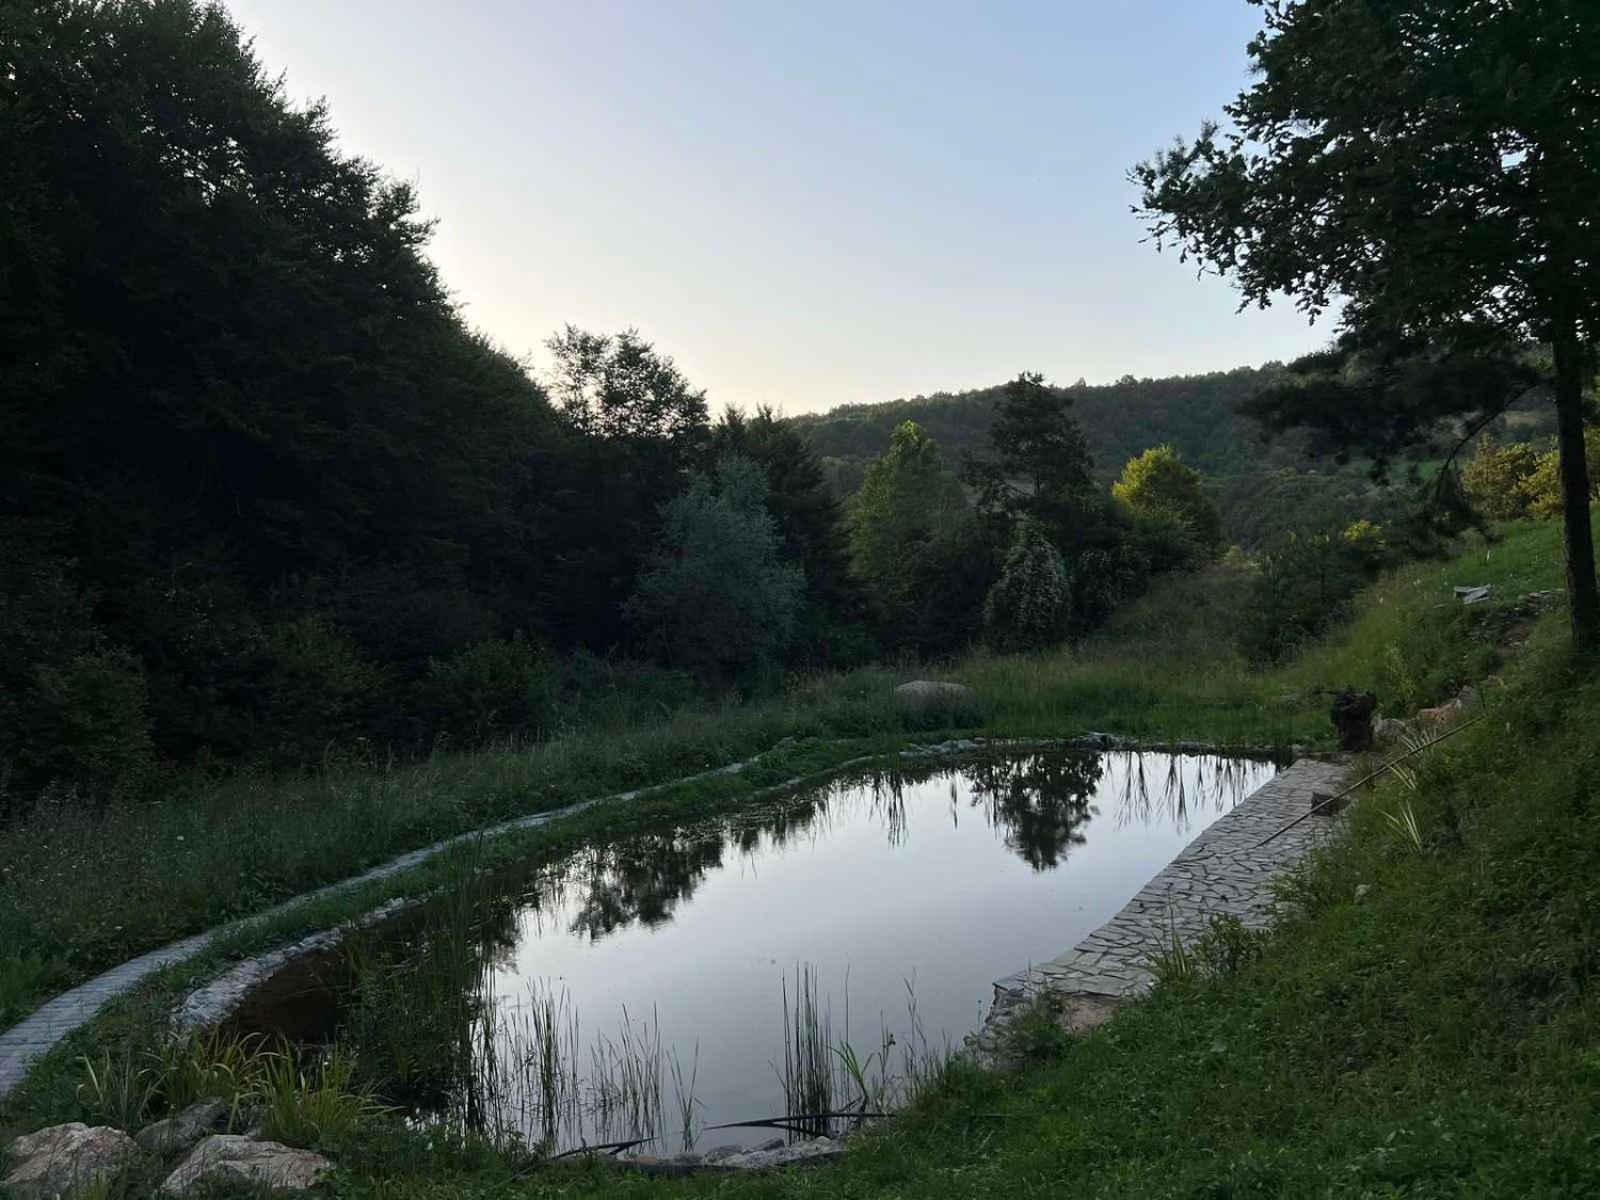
[(804, 204)]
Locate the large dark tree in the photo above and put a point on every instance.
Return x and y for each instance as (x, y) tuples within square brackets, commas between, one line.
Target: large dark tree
[(641, 430), (1432, 165), (249, 446), (810, 518), (1038, 464)]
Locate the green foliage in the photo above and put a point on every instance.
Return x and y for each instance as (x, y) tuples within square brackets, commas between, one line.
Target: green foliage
[(1038, 463), (1302, 588), (492, 689), (1341, 180), (301, 1107), (913, 545), (1029, 607), (88, 721), (811, 525), (316, 689), (1497, 478), (717, 599), (1158, 482)]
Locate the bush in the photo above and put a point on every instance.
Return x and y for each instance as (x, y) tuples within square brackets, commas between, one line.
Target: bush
[(1030, 605), (86, 724), (493, 689), (318, 691), (1303, 587)]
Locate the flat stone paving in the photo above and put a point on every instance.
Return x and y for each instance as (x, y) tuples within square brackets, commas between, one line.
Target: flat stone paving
[(1225, 870)]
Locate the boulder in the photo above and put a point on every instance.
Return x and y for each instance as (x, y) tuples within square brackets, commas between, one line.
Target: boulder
[(225, 1159), (184, 1130), (63, 1160), (928, 693), (1387, 731), (1435, 719)]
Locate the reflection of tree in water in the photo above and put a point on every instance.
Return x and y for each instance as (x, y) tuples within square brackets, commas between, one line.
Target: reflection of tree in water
[(643, 878), (1041, 802), (1170, 787)]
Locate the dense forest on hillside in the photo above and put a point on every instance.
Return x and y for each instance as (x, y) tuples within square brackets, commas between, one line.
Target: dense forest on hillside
[(1265, 487), (266, 498)]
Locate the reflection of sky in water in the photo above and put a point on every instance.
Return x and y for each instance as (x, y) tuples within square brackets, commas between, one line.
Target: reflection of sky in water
[(949, 880)]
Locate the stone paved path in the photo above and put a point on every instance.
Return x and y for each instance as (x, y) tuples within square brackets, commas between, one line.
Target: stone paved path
[(1225, 870)]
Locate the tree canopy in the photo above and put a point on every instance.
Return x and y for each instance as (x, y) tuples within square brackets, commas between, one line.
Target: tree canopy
[(1157, 481), (1430, 166)]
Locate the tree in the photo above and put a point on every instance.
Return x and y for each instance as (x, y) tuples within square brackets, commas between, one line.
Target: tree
[(641, 429), (620, 388), (716, 598), (811, 521), (1158, 482), (1432, 164), (1497, 478), (1029, 606), (909, 506), (1039, 464)]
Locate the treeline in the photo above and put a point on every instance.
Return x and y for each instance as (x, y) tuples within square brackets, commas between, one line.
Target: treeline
[(264, 496), (266, 499), (1265, 487)]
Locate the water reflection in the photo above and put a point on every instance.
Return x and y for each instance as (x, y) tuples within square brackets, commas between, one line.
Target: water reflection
[(1040, 804), (673, 946)]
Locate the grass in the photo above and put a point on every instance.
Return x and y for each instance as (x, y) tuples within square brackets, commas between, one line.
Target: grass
[(82, 891), (77, 889), (1426, 1022)]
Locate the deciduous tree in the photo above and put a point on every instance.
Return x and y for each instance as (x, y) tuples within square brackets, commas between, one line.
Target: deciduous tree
[(1432, 166)]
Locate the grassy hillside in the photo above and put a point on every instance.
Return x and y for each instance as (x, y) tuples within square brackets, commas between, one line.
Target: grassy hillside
[(1436, 1037), (1425, 1024)]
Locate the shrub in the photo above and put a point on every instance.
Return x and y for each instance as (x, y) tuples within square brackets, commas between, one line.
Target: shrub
[(86, 720), (1030, 605), (492, 689), (318, 690), (1303, 587)]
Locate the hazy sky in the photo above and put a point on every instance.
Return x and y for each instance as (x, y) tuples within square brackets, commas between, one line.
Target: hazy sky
[(805, 204)]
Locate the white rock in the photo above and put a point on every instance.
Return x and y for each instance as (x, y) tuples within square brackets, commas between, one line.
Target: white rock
[(63, 1160), (184, 1130), (231, 1159)]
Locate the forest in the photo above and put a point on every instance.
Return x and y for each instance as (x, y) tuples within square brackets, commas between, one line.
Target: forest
[(269, 500)]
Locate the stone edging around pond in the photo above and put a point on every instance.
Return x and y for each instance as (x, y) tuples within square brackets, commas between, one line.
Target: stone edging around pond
[(1228, 870), (34, 1036)]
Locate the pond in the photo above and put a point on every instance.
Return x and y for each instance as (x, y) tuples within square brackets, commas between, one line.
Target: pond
[(823, 953)]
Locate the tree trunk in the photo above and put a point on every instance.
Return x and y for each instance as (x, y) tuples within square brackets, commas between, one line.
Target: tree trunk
[(1583, 596)]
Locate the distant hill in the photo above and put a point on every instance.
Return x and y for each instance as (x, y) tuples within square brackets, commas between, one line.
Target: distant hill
[(1195, 413), (1262, 488)]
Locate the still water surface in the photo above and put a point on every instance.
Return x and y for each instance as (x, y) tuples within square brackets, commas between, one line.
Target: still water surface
[(923, 888)]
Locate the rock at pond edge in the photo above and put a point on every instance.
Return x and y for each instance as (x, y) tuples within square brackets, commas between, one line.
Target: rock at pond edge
[(64, 1159), (231, 1159)]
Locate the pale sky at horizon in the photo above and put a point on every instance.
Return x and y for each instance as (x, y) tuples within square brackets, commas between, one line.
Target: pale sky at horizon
[(804, 204)]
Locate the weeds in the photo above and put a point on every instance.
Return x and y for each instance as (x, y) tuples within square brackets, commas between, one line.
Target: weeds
[(302, 1108), (1403, 820), (117, 1090)]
